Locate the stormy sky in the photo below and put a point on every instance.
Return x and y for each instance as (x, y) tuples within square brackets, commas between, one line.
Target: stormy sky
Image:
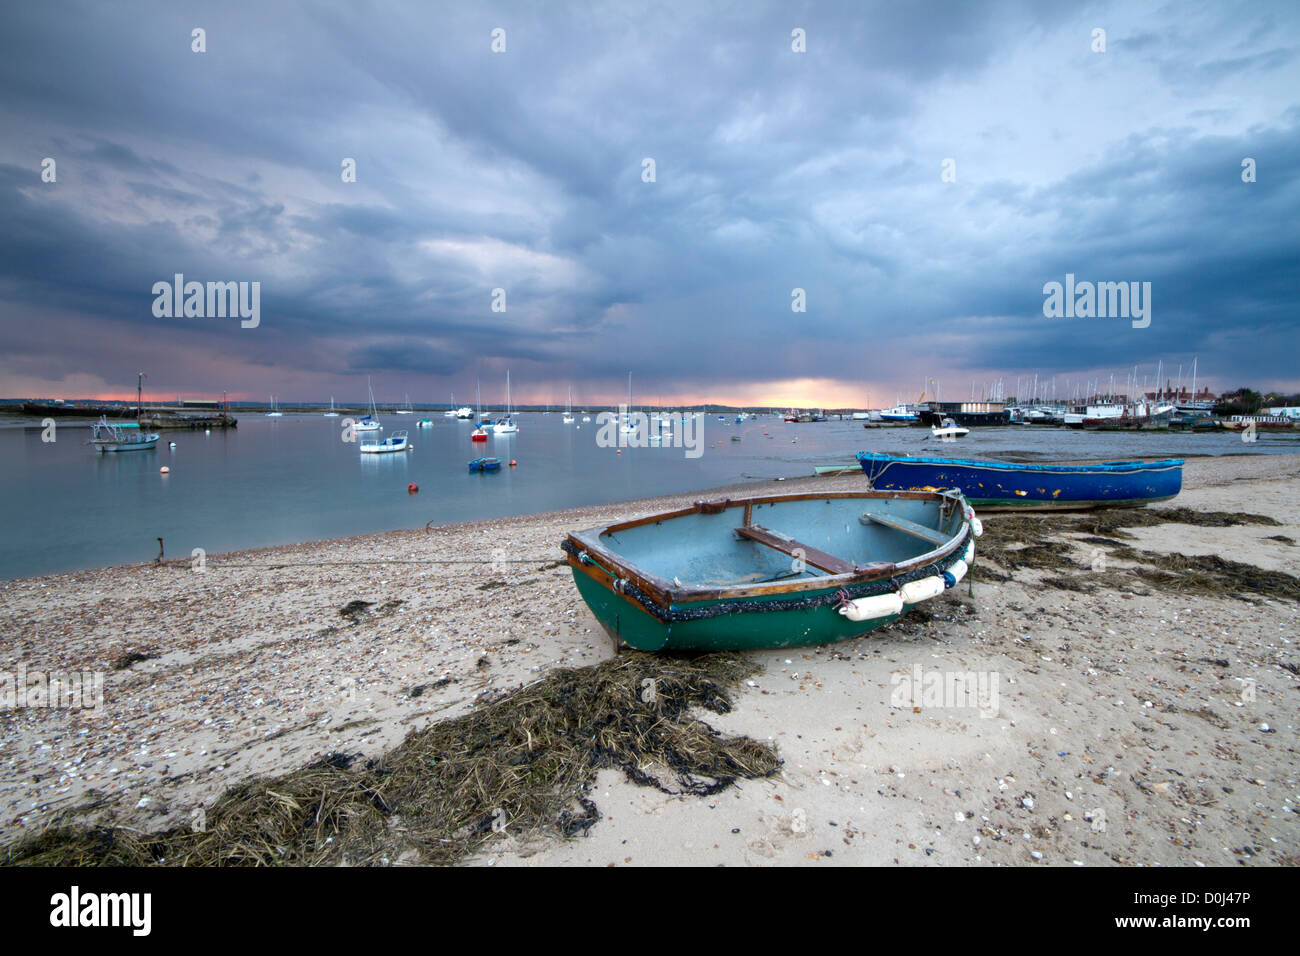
[(524, 170)]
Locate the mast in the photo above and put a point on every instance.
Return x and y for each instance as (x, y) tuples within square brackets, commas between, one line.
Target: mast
[(139, 399)]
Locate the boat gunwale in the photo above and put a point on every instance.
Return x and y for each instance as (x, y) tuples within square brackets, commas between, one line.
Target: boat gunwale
[(1100, 468), (665, 594)]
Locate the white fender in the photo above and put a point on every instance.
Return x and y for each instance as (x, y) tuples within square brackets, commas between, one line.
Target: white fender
[(976, 527), (959, 569), (871, 608), (969, 556), (922, 590)]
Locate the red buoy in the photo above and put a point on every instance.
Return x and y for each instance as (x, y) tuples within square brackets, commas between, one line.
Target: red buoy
[(412, 488), (513, 463)]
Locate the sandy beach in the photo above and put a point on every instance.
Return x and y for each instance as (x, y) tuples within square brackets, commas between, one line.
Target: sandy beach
[(1135, 724)]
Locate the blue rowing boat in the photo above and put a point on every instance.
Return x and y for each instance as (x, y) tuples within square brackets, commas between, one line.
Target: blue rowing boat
[(485, 464), (1007, 486)]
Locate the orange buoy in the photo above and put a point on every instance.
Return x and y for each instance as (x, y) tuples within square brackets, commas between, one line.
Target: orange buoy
[(412, 488), (165, 470), (620, 451), (513, 463)]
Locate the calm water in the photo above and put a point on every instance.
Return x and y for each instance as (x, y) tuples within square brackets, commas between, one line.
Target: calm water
[(276, 481)]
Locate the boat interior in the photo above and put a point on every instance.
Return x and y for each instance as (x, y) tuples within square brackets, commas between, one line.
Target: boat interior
[(739, 543)]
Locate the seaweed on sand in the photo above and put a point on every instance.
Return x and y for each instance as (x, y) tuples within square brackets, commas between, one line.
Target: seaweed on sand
[(1039, 542), (523, 765)]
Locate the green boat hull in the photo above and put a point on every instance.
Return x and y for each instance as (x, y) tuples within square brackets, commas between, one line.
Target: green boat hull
[(628, 622)]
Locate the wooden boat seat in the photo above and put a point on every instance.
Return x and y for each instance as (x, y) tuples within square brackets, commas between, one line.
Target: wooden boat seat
[(906, 526), (811, 556)]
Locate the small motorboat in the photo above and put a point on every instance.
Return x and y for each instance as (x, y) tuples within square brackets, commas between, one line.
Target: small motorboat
[(478, 434), (772, 571), (425, 423), (1009, 486), (949, 429), (393, 443), (485, 464)]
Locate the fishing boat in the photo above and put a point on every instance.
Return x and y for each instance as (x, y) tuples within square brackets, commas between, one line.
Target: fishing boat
[(771, 571), (485, 464), (948, 429), (371, 422), (331, 413), (1009, 486), (506, 426), (393, 443), (274, 412), (108, 436), (899, 413), (121, 436)]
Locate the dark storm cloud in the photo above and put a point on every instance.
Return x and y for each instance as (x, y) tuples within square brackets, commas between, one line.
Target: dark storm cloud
[(775, 170)]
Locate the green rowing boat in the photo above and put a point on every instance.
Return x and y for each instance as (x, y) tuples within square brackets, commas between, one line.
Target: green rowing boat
[(772, 571)]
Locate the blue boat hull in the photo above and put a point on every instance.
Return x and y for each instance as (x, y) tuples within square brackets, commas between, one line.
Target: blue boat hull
[(1013, 487)]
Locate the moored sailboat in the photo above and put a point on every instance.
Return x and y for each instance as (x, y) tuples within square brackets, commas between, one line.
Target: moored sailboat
[(506, 426), (370, 423)]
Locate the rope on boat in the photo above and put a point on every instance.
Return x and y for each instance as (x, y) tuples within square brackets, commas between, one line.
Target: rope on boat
[(673, 615)]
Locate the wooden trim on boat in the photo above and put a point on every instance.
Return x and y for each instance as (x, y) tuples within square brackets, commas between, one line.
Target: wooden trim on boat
[(666, 594)]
